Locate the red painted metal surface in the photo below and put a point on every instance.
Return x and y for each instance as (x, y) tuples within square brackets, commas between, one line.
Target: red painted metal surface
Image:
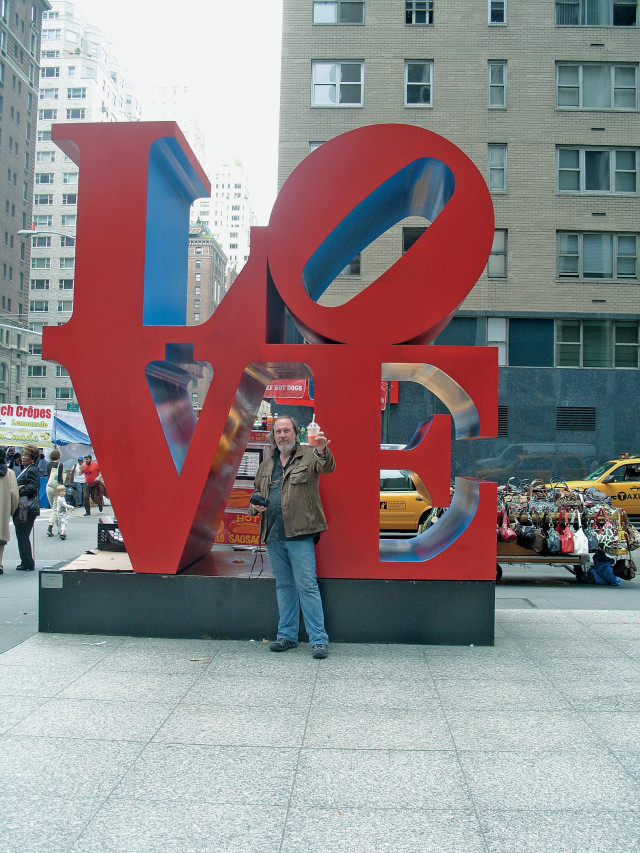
[(168, 513)]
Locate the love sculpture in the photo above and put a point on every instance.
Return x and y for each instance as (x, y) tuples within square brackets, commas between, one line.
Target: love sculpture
[(131, 356)]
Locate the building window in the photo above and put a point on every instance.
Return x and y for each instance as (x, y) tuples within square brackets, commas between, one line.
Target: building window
[(197, 291), (61, 371), (64, 393), (36, 393), (596, 255), (596, 13), (50, 71), (78, 114), (497, 83), (337, 84), (38, 305), (531, 342), (418, 83), (70, 178), (65, 305), (48, 94), (39, 284), (352, 269), (69, 219), (597, 343), (44, 136), (44, 178), (41, 242), (198, 276), (65, 284), (40, 263), (47, 115), (77, 93), (598, 170), (596, 86), (497, 267), (410, 235), (69, 242), (625, 343), (497, 155), (43, 199), (69, 198), (338, 11), (43, 220), (418, 11), (497, 337), (45, 156), (196, 317), (67, 263), (38, 370), (497, 11)]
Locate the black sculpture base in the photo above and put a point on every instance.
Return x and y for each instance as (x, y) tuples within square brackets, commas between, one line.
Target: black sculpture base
[(238, 608)]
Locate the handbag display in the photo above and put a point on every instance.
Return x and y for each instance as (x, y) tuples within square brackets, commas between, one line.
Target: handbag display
[(565, 532), (531, 536), (539, 499), (553, 537), (507, 533), (592, 539), (620, 547), (633, 537), (580, 541), (604, 530)]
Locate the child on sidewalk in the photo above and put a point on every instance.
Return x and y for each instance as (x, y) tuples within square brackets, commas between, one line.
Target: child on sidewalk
[(62, 508)]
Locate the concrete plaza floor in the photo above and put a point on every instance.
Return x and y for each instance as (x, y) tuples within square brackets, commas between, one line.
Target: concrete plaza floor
[(127, 745)]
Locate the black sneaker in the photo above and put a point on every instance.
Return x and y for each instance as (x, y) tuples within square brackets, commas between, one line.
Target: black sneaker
[(282, 645), (319, 652)]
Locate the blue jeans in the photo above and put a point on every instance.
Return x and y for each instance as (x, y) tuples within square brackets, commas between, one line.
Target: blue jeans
[(293, 563)]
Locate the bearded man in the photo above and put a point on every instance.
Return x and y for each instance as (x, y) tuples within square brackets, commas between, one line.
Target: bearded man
[(288, 498)]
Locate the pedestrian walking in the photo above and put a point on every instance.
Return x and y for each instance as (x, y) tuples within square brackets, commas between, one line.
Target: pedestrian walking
[(92, 485), (55, 470), (62, 512)]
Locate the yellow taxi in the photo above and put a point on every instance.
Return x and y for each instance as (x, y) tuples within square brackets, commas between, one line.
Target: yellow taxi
[(618, 478), (404, 501)]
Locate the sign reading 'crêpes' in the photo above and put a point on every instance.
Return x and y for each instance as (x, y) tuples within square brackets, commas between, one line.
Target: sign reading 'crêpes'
[(20, 424)]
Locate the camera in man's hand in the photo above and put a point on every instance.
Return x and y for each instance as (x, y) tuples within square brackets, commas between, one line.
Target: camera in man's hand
[(258, 500)]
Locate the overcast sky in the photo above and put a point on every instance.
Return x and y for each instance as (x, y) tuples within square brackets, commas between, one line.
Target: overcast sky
[(229, 52)]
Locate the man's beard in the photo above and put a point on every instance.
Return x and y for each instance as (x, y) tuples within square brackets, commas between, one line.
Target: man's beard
[(286, 447)]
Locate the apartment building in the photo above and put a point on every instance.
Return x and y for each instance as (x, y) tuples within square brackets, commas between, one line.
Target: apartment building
[(80, 81), (228, 214), (206, 286), (20, 33), (543, 97)]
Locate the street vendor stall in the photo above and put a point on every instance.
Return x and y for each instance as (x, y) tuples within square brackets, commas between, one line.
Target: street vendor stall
[(552, 524)]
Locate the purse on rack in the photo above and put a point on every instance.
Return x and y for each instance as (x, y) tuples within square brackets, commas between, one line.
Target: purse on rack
[(565, 532), (507, 533), (553, 537), (531, 536), (580, 541), (539, 500), (620, 547), (605, 530), (633, 537)]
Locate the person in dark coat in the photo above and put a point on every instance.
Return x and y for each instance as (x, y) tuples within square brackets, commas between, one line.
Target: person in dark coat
[(29, 487)]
